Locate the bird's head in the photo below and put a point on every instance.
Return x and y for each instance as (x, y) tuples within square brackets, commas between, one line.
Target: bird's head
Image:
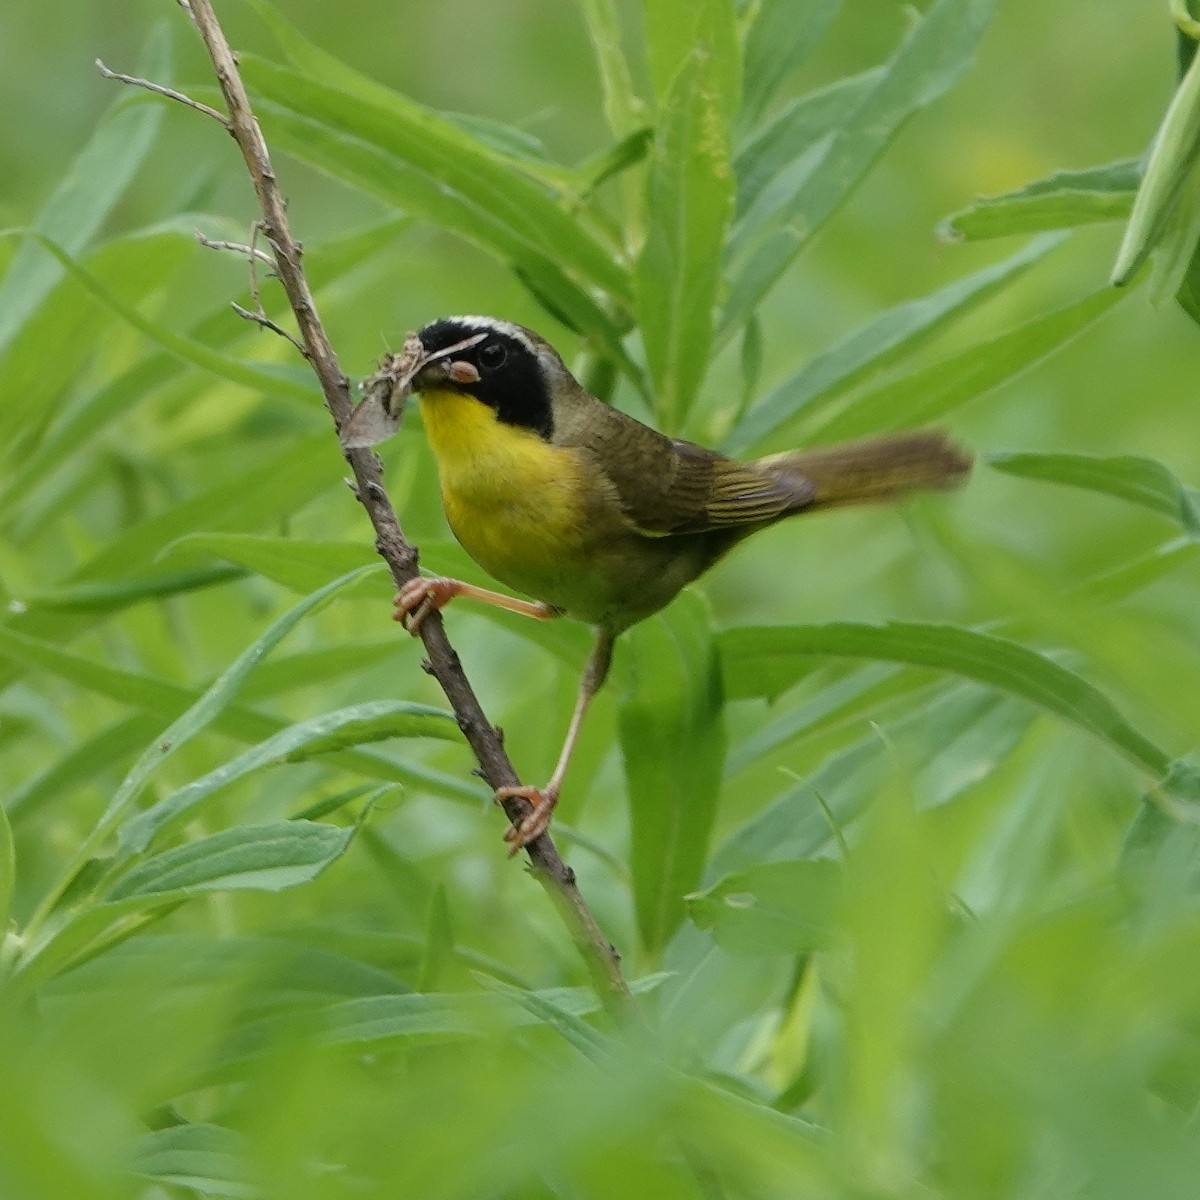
[(506, 367)]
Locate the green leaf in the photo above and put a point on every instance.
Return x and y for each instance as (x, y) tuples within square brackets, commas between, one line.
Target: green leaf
[(1167, 176), (369, 1020), (761, 166), (298, 564), (775, 908), (219, 694), (372, 721), (185, 727), (935, 391), (56, 349), (936, 51), (859, 696), (161, 698), (395, 182), (445, 157), (779, 40), (90, 188), (8, 871), (623, 108), (265, 858), (115, 400), (295, 383), (760, 660), (689, 198), (677, 29), (113, 595), (203, 1158), (884, 339), (258, 496), (673, 741), (1063, 200), (806, 819), (1142, 481), (1131, 577), (82, 763)]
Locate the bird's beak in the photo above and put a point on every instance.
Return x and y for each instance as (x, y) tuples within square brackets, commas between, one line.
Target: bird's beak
[(431, 375), (444, 372)]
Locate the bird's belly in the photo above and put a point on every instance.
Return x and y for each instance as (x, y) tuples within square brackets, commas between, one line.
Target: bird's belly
[(525, 539), (513, 500)]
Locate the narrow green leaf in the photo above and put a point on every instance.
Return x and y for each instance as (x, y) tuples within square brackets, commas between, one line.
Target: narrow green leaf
[(369, 1020), (110, 596), (1142, 481), (185, 727), (1171, 164), (203, 1158), (673, 740), (676, 29), (396, 183), (82, 763), (936, 51), (133, 267), (941, 388), (1063, 200), (161, 698), (620, 156), (804, 821), (301, 565), (758, 661), (219, 694), (280, 381), (265, 858), (1131, 577), (439, 942), (898, 332), (787, 139), (689, 198), (778, 42), (372, 721), (859, 696), (8, 870), (774, 908), (623, 108), (572, 1028), (258, 496), (332, 94), (89, 189), (327, 263)]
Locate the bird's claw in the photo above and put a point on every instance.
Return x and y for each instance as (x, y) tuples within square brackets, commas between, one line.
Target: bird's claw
[(418, 598), (535, 822)]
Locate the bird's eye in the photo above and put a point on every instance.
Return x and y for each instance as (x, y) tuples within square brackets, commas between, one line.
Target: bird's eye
[(492, 355)]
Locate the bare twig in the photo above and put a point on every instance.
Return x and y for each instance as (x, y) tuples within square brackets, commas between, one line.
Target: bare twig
[(260, 317), (548, 867), (235, 247), (171, 94)]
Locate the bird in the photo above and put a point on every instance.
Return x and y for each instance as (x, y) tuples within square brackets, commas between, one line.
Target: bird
[(593, 515)]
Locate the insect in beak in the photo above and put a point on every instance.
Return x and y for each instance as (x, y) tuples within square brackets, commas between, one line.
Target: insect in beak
[(386, 393)]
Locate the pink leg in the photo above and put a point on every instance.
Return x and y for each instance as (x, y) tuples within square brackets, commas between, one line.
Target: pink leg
[(421, 596), (543, 800)]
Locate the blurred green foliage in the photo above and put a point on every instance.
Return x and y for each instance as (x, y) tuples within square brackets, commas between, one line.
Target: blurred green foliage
[(892, 820)]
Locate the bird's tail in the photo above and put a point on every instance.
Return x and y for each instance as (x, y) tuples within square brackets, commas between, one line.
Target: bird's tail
[(874, 469)]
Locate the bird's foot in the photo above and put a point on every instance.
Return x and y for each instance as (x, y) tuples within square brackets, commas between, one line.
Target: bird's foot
[(421, 596), (536, 821)]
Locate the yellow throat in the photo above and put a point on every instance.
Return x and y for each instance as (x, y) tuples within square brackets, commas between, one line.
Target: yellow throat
[(513, 500)]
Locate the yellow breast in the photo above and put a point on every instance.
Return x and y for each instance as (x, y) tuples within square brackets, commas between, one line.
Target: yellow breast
[(513, 500)]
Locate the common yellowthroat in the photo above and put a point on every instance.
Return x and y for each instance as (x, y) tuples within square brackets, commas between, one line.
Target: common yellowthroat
[(595, 515)]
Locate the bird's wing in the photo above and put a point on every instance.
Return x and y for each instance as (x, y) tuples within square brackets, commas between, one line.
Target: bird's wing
[(665, 485)]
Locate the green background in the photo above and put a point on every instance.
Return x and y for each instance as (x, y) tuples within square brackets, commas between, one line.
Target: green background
[(992, 995)]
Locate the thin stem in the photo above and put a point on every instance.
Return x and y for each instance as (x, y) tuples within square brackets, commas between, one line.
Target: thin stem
[(159, 90)]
